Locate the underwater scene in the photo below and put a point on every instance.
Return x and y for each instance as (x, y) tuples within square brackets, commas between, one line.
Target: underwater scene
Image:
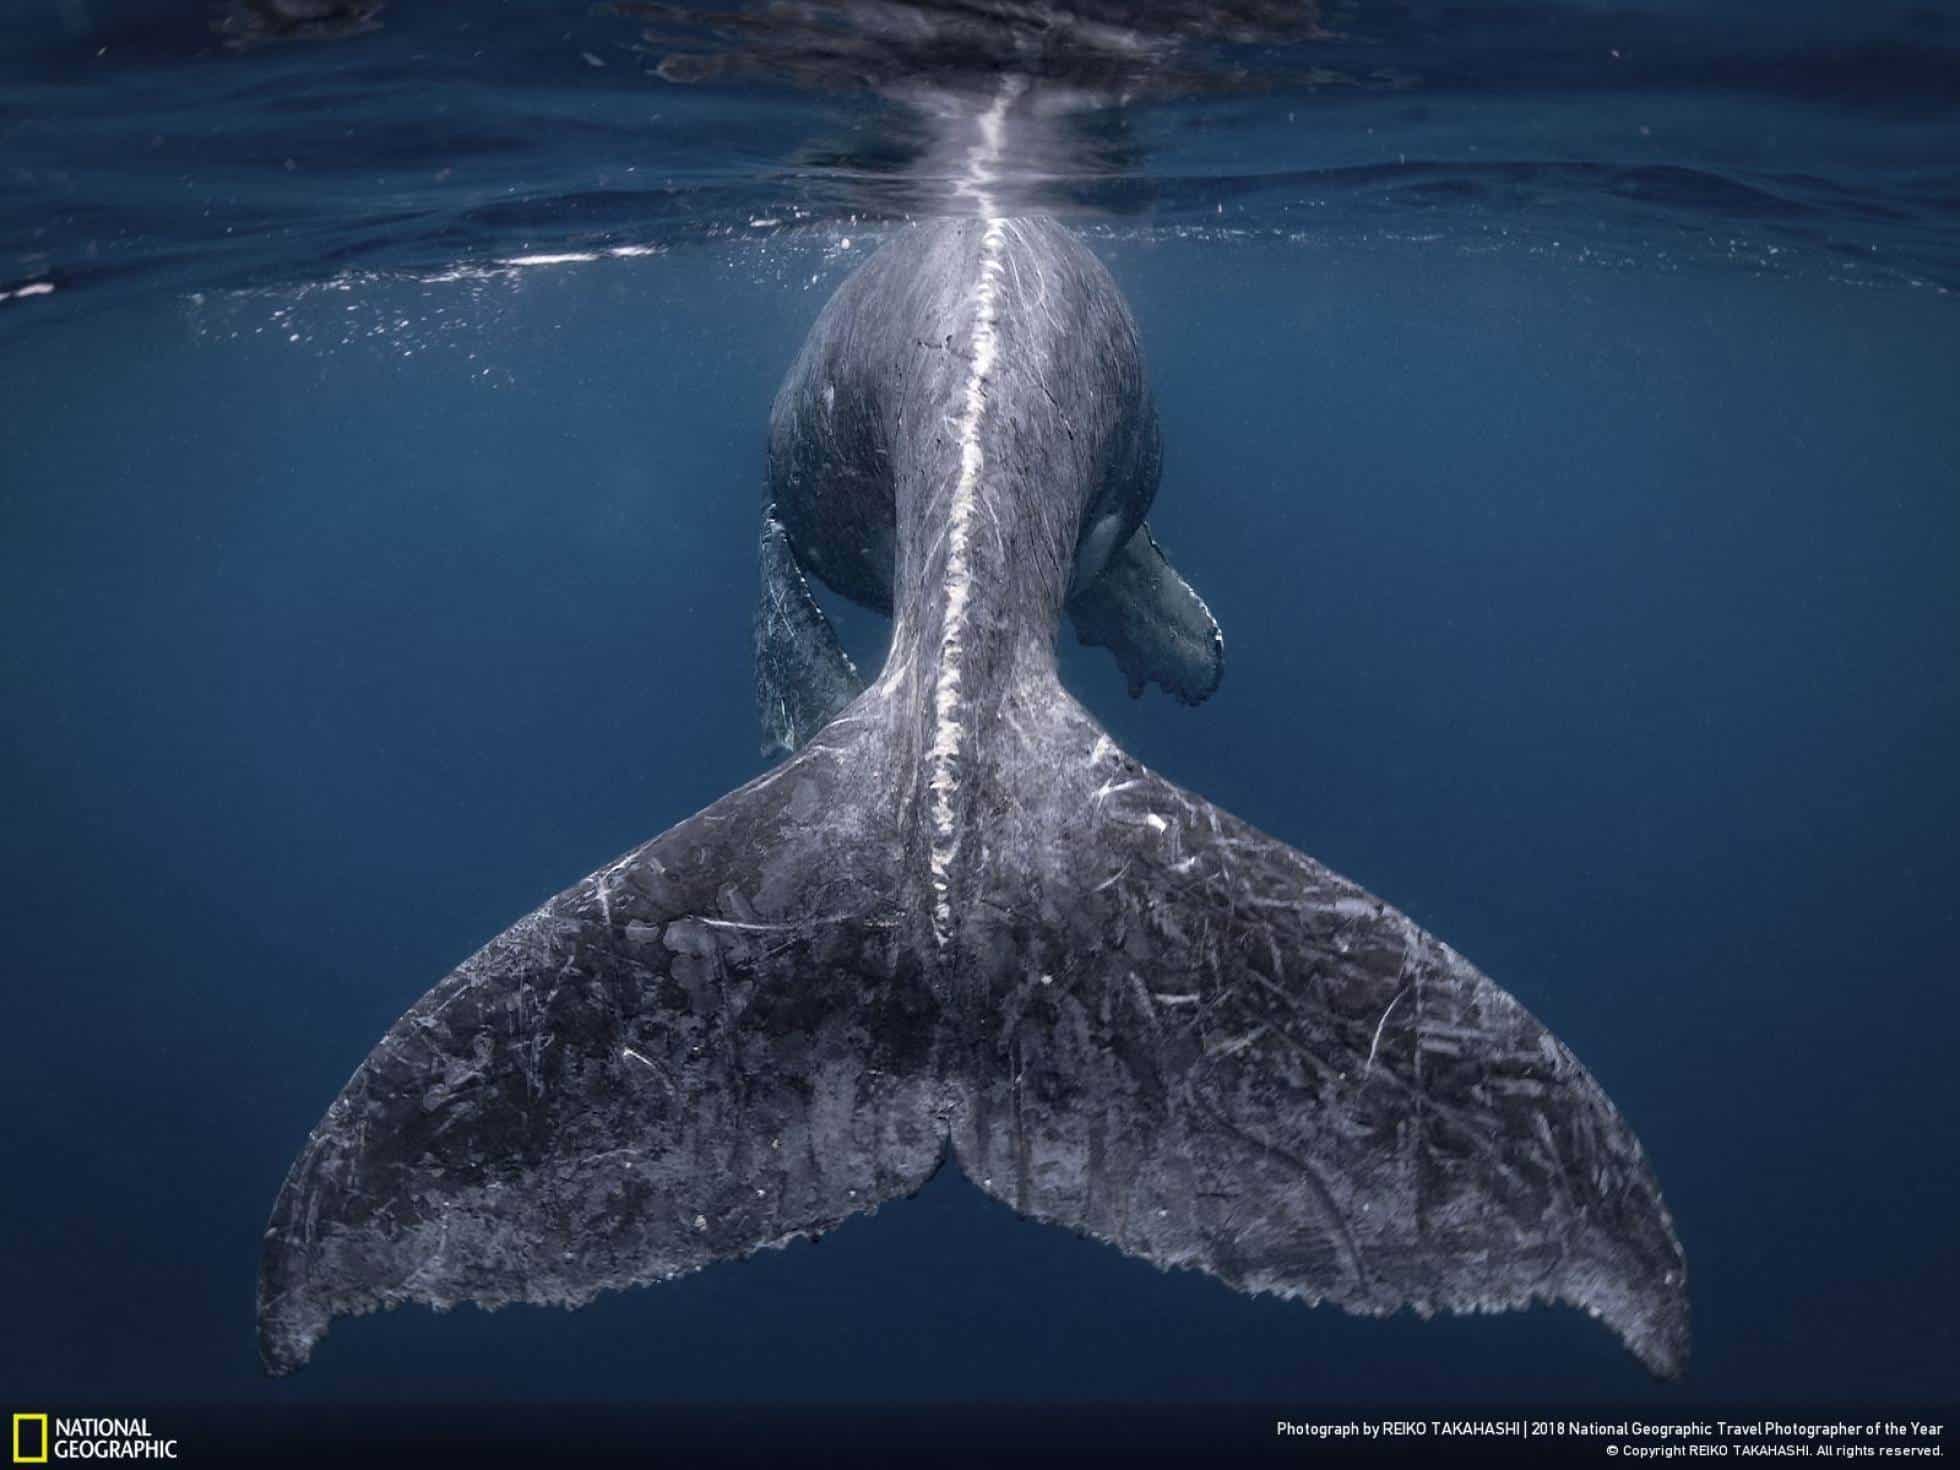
[(1115, 731)]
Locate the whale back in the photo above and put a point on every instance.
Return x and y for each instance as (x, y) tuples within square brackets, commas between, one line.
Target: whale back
[(867, 413)]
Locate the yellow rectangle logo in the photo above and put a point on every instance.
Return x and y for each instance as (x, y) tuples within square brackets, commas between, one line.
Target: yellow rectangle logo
[(21, 1457)]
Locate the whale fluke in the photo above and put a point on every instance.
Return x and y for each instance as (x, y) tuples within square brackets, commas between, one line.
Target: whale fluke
[(1203, 1047), (710, 1046), (1175, 1034)]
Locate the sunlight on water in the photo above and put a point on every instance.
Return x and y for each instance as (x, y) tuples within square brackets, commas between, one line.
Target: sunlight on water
[(400, 139)]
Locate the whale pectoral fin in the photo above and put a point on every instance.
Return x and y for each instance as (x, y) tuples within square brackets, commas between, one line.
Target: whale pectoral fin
[(803, 677), (1215, 1053), (715, 1044), (1160, 630)]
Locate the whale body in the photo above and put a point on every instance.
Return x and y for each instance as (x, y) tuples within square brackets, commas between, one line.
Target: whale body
[(959, 921)]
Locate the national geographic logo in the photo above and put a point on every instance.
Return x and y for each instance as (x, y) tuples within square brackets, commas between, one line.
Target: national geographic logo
[(30, 1439), (39, 1439)]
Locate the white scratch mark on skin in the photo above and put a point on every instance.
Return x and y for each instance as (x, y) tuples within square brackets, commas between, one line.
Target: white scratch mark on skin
[(1013, 720), (1112, 788), (1375, 1045), (1237, 1044), (629, 1052), (1112, 879), (1157, 823), (1173, 1000), (948, 702)]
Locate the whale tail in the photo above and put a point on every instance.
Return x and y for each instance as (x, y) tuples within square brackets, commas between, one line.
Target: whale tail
[(1166, 1030)]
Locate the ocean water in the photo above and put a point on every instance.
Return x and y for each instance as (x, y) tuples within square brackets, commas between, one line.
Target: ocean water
[(1559, 417)]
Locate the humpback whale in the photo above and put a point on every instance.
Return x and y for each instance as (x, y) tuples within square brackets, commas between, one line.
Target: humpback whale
[(958, 920)]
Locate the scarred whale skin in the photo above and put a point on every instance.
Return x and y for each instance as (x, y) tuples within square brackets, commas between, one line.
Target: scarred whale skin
[(960, 920)]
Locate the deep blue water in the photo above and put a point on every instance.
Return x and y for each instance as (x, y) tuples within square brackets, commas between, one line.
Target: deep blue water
[(1595, 604)]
